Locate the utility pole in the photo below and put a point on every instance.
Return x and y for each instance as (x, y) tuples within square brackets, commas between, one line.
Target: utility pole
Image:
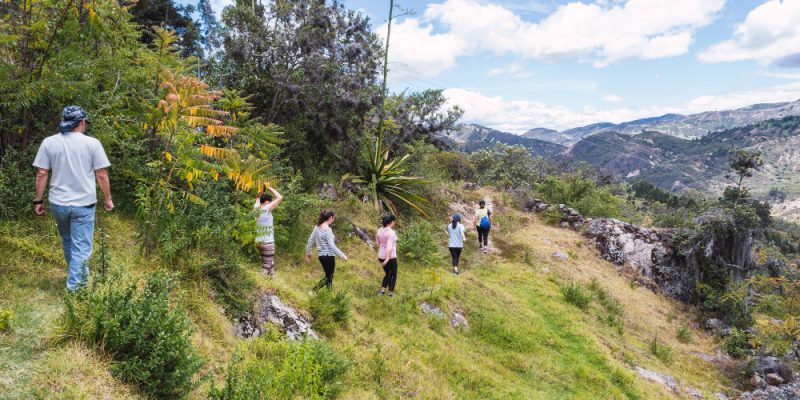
[(385, 72)]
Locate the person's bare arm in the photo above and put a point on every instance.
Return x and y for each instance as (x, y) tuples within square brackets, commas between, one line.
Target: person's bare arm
[(42, 176), (105, 186), (277, 198)]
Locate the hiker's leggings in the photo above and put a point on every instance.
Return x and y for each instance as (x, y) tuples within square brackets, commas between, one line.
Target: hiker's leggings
[(267, 251), (391, 274), (328, 265), (455, 252), (483, 236)]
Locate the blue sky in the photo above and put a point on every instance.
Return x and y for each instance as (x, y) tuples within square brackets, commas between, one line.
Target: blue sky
[(518, 64)]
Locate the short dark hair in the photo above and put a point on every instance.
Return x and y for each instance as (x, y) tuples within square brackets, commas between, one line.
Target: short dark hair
[(265, 198), (482, 203), (388, 219)]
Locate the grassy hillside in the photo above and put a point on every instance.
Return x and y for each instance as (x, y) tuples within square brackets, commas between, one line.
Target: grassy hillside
[(525, 341)]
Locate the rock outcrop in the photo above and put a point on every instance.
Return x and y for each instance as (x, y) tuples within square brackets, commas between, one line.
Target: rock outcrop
[(268, 308), (362, 234), (570, 217), (648, 251), (784, 392)]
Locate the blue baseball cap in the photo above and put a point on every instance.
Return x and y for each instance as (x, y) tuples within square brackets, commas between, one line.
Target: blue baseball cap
[(71, 116), (457, 217)]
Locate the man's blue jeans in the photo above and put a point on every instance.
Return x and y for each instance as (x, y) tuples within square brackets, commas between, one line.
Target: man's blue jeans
[(76, 227)]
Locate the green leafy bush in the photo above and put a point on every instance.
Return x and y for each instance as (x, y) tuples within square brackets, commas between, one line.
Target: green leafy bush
[(5, 320), (272, 367), (452, 165), (580, 193), (662, 351), (418, 242), (737, 343), (576, 295), (330, 310), (552, 216), (149, 341)]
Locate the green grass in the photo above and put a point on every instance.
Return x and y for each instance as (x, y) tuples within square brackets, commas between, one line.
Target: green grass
[(524, 341)]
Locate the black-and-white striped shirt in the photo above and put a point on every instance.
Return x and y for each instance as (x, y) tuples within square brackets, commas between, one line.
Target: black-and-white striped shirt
[(326, 242)]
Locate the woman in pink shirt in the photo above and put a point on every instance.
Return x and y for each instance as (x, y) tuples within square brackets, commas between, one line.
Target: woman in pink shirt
[(387, 253)]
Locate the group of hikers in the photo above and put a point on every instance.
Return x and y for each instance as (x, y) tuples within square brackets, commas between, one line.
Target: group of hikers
[(386, 238), (73, 162)]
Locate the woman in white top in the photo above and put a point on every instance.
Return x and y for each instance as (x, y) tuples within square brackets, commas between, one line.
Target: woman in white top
[(326, 247), (265, 241), (457, 238)]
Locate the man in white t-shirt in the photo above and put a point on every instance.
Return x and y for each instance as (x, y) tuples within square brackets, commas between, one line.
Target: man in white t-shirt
[(76, 161)]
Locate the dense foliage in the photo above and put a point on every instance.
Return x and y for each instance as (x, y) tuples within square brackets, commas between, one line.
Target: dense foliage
[(149, 340)]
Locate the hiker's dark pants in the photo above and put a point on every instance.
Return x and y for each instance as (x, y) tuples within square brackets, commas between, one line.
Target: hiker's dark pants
[(455, 252), (328, 265), (391, 274), (483, 236)]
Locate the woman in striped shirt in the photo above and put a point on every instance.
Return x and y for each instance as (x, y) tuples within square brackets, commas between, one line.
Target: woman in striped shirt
[(326, 247)]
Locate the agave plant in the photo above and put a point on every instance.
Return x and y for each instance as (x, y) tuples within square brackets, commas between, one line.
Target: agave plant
[(386, 180)]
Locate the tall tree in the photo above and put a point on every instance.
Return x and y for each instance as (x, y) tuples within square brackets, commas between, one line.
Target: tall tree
[(308, 65), (210, 27), (168, 15)]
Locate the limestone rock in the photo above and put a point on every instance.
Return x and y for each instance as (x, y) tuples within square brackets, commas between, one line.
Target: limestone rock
[(647, 251), (362, 234), (459, 321), (561, 255), (657, 377), (783, 392), (431, 310), (268, 308), (328, 191), (774, 379)]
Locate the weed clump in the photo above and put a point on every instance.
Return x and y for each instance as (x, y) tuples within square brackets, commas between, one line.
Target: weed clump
[(662, 351), (330, 310), (576, 295), (272, 367), (684, 335), (5, 320)]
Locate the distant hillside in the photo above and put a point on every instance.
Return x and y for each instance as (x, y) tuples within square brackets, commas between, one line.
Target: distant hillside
[(471, 137), (682, 126), (675, 163)]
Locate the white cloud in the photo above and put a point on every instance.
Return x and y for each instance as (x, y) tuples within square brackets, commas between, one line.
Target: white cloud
[(415, 45), (515, 69), (518, 116), (612, 98), (770, 34), (602, 32)]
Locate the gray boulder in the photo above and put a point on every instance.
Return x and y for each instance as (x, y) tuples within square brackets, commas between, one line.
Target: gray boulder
[(268, 308), (431, 310), (459, 321)]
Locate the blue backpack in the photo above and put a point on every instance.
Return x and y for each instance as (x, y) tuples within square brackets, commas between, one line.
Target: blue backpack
[(485, 223)]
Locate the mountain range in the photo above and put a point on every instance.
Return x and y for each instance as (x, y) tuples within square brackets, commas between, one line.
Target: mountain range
[(472, 137), (676, 163), (683, 126)]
